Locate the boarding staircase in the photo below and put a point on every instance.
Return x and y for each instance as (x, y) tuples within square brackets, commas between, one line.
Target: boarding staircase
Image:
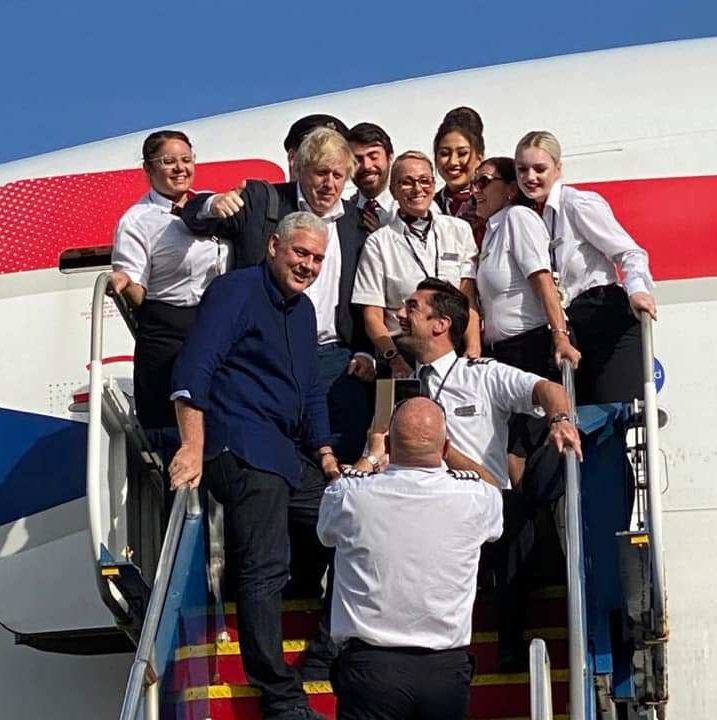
[(594, 654)]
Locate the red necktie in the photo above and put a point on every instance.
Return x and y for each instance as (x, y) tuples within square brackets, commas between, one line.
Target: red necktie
[(369, 215)]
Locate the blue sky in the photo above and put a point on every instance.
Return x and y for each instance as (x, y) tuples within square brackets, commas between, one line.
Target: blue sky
[(84, 70)]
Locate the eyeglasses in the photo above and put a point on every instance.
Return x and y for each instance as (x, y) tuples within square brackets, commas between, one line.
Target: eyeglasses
[(481, 182), (408, 183), (171, 160)]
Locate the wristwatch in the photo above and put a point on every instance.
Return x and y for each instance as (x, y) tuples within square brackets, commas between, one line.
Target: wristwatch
[(389, 354)]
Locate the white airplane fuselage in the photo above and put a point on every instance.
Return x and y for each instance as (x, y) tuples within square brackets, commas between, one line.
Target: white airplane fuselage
[(639, 125)]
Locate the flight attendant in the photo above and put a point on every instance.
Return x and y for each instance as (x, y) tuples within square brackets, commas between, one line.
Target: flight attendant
[(163, 269), (414, 246), (524, 323), (588, 247), (458, 149)]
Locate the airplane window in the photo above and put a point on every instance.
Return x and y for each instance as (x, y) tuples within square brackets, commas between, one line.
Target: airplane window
[(86, 259)]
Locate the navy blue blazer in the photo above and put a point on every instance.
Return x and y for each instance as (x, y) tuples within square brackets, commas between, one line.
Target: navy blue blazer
[(248, 232), (250, 363)]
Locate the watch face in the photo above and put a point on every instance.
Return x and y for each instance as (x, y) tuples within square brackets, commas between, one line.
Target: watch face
[(390, 354)]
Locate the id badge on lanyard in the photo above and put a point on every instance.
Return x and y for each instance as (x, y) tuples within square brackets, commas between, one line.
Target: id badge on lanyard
[(562, 294)]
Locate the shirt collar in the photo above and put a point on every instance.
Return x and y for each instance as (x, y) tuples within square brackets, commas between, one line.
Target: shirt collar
[(384, 199), (554, 196), (441, 366), (334, 213), (497, 218), (158, 199), (275, 295)]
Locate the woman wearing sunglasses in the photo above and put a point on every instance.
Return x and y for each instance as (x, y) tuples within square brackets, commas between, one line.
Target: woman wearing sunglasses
[(524, 324), (588, 246), (163, 270)]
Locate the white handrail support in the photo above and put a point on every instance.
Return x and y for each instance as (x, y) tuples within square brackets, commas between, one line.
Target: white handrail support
[(654, 497), (541, 696), (577, 611)]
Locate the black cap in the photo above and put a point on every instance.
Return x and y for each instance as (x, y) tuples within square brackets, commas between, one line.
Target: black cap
[(303, 126)]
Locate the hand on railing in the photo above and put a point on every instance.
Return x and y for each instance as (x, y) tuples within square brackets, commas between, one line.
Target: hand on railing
[(564, 435), (565, 350), (643, 302)]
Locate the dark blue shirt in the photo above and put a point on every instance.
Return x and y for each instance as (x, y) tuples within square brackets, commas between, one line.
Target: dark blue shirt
[(250, 364)]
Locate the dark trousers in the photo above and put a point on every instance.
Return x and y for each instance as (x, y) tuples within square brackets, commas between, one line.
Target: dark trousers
[(373, 683), (531, 351), (349, 401), (609, 337), (256, 512)]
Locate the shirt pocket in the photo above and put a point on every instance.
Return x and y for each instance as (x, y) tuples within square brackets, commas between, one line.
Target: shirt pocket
[(398, 289)]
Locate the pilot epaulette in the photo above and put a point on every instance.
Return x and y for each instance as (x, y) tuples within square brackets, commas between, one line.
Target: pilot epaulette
[(465, 474), (353, 473), (480, 361)]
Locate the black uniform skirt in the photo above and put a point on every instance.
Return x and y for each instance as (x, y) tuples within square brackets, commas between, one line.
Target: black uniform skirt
[(161, 333), (608, 335)]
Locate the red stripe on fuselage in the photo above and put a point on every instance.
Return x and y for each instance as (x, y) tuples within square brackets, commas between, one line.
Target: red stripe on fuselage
[(674, 219), (40, 218)]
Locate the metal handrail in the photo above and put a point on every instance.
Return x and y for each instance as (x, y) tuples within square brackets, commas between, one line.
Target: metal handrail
[(575, 563), (541, 696), (94, 426), (653, 466), (143, 674)]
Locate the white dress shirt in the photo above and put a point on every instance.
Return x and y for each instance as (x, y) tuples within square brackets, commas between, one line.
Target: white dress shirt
[(387, 205), (388, 271), (514, 247), (479, 397), (324, 292), (407, 550), (588, 243), (157, 250)]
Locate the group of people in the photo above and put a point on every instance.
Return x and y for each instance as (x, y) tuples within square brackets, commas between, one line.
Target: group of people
[(266, 313)]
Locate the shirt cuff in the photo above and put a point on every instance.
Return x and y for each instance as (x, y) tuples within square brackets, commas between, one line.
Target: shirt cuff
[(366, 355), (636, 284), (206, 212), (180, 395)]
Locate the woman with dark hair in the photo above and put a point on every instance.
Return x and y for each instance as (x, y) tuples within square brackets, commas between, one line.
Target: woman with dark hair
[(162, 269), (458, 149), (588, 247), (525, 326)]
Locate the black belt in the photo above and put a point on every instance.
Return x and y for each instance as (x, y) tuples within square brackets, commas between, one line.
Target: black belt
[(356, 644)]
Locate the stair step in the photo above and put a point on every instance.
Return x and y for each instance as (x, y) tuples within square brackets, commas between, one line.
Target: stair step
[(492, 696), (300, 618), (222, 662)]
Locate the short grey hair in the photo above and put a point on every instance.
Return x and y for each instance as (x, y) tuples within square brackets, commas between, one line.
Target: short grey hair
[(300, 221), (408, 155), (324, 144)]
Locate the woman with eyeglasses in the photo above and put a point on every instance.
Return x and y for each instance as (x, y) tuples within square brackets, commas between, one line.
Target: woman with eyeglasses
[(588, 247), (162, 269), (524, 323), (414, 246)]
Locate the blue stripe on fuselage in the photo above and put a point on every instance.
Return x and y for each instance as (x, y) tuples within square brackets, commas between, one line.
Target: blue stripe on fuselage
[(42, 463)]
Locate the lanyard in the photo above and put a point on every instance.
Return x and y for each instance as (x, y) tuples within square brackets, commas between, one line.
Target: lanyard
[(562, 295), (443, 382), (407, 237)]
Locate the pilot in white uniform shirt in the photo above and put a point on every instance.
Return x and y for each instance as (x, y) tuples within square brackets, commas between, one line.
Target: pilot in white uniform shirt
[(479, 397), (407, 551)]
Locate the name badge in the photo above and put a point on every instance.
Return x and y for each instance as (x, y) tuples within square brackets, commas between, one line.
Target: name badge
[(465, 411), (451, 257)]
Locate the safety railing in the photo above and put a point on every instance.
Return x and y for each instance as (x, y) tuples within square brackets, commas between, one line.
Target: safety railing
[(580, 685), (654, 497), (541, 696), (143, 684)]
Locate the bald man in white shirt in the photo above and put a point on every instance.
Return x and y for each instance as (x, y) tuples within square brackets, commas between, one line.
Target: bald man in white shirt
[(408, 544)]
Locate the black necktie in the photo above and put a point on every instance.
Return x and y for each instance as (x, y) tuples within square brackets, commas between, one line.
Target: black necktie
[(423, 374)]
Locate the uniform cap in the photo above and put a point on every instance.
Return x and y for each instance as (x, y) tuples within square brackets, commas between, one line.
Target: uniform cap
[(303, 126)]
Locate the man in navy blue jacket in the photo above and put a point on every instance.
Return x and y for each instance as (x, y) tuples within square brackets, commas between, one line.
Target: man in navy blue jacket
[(248, 397)]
